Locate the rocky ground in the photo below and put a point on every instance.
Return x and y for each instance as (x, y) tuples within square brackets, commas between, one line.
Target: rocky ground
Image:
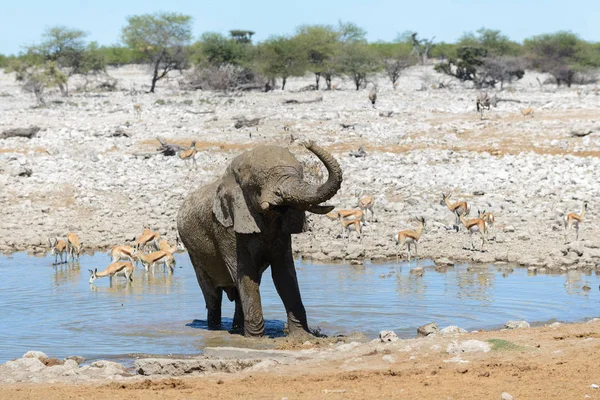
[(552, 362), (86, 170)]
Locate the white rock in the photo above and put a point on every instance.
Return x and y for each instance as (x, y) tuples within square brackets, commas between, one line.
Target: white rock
[(388, 336), (452, 330), (594, 386), (468, 346), (506, 396), (389, 359), (36, 354), (517, 324)]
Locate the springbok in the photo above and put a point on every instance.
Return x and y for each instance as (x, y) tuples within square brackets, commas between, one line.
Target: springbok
[(122, 252), (408, 238), (137, 109), (165, 246), (365, 203), (459, 208), (58, 247), (74, 246), (157, 257), (574, 220), (489, 219), (116, 268), (527, 112), (475, 225), (189, 154), (148, 237), (351, 225)]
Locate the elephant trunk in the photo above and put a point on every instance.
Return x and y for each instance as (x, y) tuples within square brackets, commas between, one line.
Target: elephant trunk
[(304, 195)]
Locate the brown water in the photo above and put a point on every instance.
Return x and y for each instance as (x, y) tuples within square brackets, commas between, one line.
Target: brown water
[(54, 309)]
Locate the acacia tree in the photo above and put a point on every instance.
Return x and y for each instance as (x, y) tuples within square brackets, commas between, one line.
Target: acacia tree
[(320, 44), (395, 58), (282, 57), (162, 39), (555, 54), (64, 48)]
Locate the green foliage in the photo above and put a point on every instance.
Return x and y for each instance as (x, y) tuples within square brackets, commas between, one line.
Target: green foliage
[(395, 58), (241, 36), (493, 41), (119, 55), (358, 60), (464, 66), (444, 51), (216, 49), (504, 345), (162, 39), (36, 78), (561, 54), (321, 44), (281, 57)]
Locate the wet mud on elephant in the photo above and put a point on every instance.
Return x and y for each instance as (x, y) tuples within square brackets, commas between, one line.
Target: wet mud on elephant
[(238, 226)]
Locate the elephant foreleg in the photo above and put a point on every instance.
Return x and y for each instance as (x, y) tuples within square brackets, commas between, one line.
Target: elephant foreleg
[(286, 283)]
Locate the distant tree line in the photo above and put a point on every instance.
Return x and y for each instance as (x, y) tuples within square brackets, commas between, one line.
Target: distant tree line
[(216, 61)]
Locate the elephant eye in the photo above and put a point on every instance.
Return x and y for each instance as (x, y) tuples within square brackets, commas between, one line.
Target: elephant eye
[(278, 192)]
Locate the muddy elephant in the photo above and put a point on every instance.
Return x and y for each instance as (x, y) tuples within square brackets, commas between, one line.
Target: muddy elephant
[(238, 226)]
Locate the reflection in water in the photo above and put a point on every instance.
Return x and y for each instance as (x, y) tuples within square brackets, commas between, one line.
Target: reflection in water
[(154, 313), (474, 283), (66, 273)]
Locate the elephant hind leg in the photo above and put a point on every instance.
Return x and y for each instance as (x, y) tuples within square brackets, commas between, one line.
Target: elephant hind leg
[(213, 297), (238, 317)]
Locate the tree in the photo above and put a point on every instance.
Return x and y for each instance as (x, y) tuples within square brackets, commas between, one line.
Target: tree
[(486, 58), (358, 60), (241, 36), (395, 57), (216, 49), (493, 41), (162, 39), (556, 54), (422, 47), (36, 78), (66, 49), (280, 56), (320, 44)]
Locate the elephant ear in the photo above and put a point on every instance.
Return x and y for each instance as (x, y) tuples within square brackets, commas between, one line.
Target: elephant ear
[(293, 221), (231, 208)]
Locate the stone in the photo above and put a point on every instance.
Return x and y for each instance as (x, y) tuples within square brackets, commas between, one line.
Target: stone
[(509, 229), (427, 329), (243, 353), (26, 364), (388, 336), (517, 324), (468, 346), (452, 330), (443, 261), (506, 396), (110, 367), (36, 354), (78, 359), (389, 359), (178, 367)]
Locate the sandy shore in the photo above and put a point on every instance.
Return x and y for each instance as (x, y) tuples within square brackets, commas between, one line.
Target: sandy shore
[(552, 362), (530, 173)]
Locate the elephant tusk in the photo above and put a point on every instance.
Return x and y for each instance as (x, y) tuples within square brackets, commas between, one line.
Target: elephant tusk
[(264, 206)]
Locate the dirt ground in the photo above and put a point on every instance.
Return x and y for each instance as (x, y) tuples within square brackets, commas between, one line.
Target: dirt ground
[(537, 363)]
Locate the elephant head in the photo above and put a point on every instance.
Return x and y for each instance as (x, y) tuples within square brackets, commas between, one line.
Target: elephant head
[(268, 181)]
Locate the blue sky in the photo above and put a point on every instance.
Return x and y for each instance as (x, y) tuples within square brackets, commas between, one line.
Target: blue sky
[(23, 23)]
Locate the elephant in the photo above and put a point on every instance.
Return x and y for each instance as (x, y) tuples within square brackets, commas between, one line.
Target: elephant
[(239, 225)]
